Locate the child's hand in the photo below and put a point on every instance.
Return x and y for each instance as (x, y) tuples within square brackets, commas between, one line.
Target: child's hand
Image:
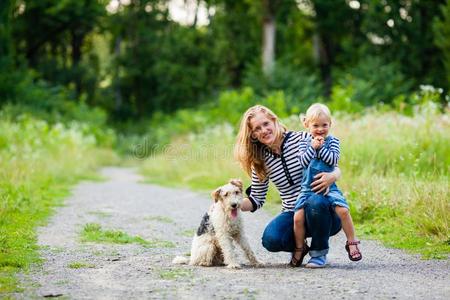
[(317, 142)]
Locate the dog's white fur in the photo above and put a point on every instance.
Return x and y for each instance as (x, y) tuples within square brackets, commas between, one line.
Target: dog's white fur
[(215, 246)]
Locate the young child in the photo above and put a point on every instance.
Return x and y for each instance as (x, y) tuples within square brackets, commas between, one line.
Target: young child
[(320, 153)]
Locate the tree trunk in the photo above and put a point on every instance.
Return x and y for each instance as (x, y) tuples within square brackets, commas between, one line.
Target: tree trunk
[(117, 93), (269, 35), (197, 5), (268, 51), (5, 32), (323, 58), (77, 42)]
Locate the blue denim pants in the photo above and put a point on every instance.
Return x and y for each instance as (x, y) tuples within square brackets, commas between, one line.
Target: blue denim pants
[(321, 222)]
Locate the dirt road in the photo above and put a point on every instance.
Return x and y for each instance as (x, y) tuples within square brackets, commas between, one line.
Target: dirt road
[(74, 269)]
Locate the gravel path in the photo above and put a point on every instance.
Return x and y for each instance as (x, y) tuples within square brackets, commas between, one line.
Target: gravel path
[(77, 270)]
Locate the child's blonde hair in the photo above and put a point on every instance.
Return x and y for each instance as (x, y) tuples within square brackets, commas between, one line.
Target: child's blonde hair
[(316, 111), (248, 151)]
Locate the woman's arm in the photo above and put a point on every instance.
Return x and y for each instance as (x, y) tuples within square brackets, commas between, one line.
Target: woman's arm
[(256, 194), (323, 180)]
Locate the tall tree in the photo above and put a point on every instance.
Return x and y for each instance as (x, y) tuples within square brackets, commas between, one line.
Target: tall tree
[(401, 31), (441, 30), (334, 20), (269, 35), (236, 32), (6, 8), (6, 51), (56, 49)]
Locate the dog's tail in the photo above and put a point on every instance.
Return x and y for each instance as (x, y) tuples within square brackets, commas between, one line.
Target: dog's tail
[(180, 260)]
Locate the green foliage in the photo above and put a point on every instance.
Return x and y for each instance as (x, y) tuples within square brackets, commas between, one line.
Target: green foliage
[(228, 108), (441, 29), (342, 100), (5, 38), (299, 86), (53, 104), (162, 66), (235, 37), (41, 162), (57, 51), (366, 87), (410, 23)]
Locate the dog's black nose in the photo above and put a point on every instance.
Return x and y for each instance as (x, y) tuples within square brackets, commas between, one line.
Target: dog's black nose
[(234, 205)]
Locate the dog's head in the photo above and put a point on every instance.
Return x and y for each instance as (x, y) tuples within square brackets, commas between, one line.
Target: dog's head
[(230, 197)]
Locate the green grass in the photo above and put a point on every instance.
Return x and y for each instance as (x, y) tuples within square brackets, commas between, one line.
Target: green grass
[(93, 232), (101, 214), (175, 274), (188, 233), (40, 162), (395, 174), (80, 265), (161, 219)]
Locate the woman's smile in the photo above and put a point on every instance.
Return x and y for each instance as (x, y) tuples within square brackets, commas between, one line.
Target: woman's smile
[(263, 129)]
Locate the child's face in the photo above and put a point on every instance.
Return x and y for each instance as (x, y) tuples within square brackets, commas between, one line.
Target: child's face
[(319, 126), (263, 128)]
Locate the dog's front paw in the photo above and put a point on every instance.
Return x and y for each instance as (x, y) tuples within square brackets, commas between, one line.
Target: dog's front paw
[(257, 264), (234, 266)]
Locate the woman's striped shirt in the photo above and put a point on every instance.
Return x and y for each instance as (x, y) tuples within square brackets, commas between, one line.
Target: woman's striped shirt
[(283, 170)]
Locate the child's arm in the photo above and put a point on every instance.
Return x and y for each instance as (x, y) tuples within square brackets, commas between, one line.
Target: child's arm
[(306, 153), (330, 155)]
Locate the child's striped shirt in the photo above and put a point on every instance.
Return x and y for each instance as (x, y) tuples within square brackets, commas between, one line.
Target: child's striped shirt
[(330, 154)]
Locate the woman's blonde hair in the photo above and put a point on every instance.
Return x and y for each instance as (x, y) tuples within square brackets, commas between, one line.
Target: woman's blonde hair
[(248, 151), (316, 111)]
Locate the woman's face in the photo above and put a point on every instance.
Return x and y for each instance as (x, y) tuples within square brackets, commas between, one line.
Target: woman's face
[(263, 129)]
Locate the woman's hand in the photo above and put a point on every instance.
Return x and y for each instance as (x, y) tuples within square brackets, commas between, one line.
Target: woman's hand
[(246, 205), (322, 181)]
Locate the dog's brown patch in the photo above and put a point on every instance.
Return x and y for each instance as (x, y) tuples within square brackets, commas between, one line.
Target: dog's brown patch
[(237, 182), (216, 195)]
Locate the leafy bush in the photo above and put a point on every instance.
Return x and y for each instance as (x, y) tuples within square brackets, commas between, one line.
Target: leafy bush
[(301, 87), (229, 108), (370, 82), (54, 104)]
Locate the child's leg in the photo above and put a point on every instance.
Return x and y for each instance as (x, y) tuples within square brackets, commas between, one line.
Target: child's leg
[(347, 223), (301, 249), (347, 226), (299, 228)]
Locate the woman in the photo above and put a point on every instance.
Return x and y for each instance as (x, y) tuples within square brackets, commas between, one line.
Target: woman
[(267, 151)]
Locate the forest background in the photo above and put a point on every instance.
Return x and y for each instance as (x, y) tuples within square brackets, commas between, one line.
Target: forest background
[(94, 82)]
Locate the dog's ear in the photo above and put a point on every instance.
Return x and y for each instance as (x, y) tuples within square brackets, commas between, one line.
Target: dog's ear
[(236, 182), (216, 195)]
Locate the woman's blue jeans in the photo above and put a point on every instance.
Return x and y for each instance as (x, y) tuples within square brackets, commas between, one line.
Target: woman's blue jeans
[(321, 222)]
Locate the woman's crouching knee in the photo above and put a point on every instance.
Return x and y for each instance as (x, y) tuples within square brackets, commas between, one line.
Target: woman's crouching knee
[(271, 242), (317, 204)]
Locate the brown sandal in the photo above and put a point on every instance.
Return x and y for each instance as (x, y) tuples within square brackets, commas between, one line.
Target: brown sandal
[(295, 263), (355, 255)]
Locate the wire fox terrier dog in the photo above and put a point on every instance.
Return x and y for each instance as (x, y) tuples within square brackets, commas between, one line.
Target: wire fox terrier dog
[(212, 244)]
